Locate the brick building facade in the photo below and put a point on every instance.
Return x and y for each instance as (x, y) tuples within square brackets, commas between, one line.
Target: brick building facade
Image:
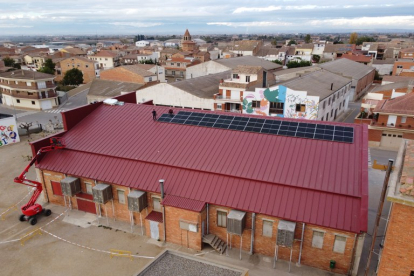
[(199, 200), (88, 67), (396, 257)]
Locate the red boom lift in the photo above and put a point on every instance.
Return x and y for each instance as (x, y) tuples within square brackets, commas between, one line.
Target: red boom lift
[(31, 209)]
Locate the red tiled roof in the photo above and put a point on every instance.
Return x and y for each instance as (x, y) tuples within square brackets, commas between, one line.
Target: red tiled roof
[(183, 203), (104, 53), (313, 181), (401, 105), (155, 216)]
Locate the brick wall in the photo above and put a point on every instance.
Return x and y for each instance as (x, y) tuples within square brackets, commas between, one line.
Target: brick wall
[(121, 74), (177, 235), (364, 83), (88, 72), (374, 135), (398, 254)]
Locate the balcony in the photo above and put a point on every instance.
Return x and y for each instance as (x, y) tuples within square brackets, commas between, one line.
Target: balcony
[(229, 99)]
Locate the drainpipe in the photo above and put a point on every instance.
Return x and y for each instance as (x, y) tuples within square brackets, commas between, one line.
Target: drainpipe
[(301, 243), (351, 267), (207, 219), (383, 236), (163, 208), (253, 229)]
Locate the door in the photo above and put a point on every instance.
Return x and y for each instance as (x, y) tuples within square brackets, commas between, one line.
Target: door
[(391, 139), (86, 205), (154, 230), (45, 104)]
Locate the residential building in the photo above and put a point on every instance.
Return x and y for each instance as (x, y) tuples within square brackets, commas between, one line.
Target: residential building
[(142, 43), (34, 60), (392, 122), (407, 53), (397, 247), (333, 51), (301, 52), (383, 67), (367, 60), (320, 95), (233, 89), (176, 67), (288, 74), (362, 75), (106, 59), (197, 93), (74, 51), (221, 65), (28, 89), (101, 90), (318, 48), (393, 79), (129, 73), (404, 68), (316, 219), (269, 53), (90, 68), (156, 69), (393, 90), (245, 47)]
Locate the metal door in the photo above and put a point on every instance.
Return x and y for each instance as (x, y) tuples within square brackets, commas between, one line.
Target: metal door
[(86, 205), (391, 139), (154, 230)]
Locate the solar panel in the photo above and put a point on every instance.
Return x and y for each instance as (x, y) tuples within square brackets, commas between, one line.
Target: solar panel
[(266, 126)]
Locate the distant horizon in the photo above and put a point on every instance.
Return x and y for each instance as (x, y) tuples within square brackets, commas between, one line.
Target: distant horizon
[(215, 17)]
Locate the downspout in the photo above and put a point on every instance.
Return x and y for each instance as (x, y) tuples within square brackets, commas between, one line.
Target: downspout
[(253, 230), (351, 267), (384, 235), (301, 243), (163, 209), (207, 219)]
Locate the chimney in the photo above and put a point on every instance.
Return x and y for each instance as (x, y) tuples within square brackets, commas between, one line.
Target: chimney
[(162, 187), (331, 86)]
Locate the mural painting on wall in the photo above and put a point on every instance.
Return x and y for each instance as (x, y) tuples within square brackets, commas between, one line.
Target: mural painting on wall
[(8, 135), (264, 96), (311, 103)]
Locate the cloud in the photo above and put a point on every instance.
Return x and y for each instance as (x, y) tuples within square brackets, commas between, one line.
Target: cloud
[(13, 26), (251, 24), (253, 9), (367, 22), (137, 24)]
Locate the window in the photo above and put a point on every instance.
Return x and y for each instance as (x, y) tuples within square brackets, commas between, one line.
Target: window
[(276, 108), (106, 59), (333, 98), (247, 78), (18, 101), (121, 196), (88, 188), (181, 73), (391, 120), (16, 82), (399, 66), (29, 83), (300, 108), (33, 102), (219, 107), (86, 65), (173, 73), (172, 63), (256, 104), (29, 93), (235, 76), (178, 64), (150, 79), (317, 239), (222, 218), (403, 120), (324, 103), (331, 112), (156, 203), (339, 244), (188, 226), (267, 228), (327, 116), (56, 188)]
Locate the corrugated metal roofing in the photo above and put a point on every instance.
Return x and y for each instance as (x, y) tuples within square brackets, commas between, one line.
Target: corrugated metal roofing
[(313, 181), (183, 203), (155, 216)]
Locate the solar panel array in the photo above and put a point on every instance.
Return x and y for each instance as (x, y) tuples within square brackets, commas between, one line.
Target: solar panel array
[(267, 126)]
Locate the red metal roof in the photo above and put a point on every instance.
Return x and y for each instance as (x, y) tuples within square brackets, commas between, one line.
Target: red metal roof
[(183, 203), (155, 216), (313, 181)]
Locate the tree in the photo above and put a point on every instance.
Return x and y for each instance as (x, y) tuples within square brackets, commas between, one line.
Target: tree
[(316, 58), (363, 39), (291, 42), (9, 62), (353, 38), (277, 61), (295, 64), (73, 77), (48, 67), (26, 126), (308, 38)]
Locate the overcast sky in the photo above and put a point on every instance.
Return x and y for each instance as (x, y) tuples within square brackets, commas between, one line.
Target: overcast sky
[(202, 17)]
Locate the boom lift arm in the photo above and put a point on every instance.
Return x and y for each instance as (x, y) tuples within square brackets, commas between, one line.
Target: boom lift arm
[(31, 209)]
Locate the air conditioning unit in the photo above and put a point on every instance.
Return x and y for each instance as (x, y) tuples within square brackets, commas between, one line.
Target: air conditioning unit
[(70, 186), (137, 201), (102, 193), (236, 222), (285, 233)]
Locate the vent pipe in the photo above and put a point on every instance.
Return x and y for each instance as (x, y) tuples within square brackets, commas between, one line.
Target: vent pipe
[(162, 187), (331, 86)]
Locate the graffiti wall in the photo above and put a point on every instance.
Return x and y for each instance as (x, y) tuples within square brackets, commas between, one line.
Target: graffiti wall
[(295, 98), (296, 104), (8, 131), (262, 98)]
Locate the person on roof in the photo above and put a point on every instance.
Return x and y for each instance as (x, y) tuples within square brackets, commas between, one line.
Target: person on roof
[(154, 114)]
